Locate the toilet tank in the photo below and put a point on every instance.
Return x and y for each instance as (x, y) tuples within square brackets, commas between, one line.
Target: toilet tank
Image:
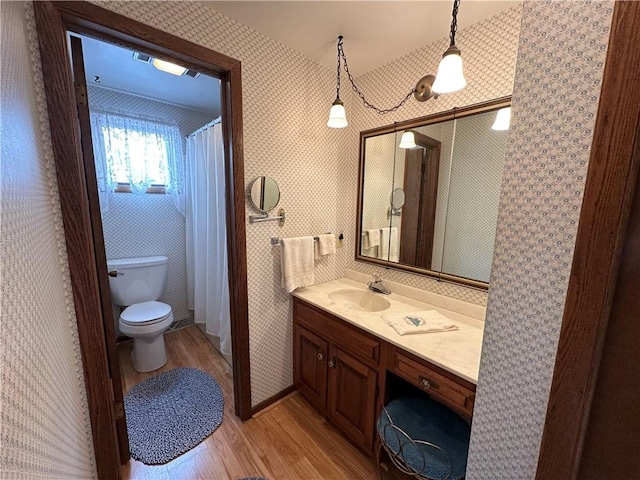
[(136, 280)]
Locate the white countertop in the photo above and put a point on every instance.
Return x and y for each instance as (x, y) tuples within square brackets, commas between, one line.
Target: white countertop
[(457, 351)]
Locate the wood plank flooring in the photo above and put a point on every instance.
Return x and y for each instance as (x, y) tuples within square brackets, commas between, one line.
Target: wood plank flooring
[(288, 441)]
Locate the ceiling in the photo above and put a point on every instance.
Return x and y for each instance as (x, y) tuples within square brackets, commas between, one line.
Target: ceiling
[(117, 70), (375, 32)]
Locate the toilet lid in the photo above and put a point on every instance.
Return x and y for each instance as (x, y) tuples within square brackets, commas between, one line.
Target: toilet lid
[(145, 313)]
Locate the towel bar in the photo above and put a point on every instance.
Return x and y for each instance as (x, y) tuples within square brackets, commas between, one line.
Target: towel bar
[(276, 240)]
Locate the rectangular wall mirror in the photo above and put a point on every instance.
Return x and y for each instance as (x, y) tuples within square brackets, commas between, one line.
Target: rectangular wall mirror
[(432, 208)]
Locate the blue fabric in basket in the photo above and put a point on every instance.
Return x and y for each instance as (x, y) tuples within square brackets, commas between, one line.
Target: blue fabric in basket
[(425, 419)]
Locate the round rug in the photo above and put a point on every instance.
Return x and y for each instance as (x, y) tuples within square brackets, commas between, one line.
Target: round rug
[(171, 413)]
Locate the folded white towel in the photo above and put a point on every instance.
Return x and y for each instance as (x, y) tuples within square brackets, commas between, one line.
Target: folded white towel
[(388, 244), (296, 262), (373, 237), (325, 245), (425, 321)]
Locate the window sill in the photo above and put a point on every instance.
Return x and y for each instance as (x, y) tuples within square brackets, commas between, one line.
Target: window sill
[(126, 188)]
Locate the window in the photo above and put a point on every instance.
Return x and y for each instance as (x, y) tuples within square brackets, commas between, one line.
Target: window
[(137, 156), (147, 154)]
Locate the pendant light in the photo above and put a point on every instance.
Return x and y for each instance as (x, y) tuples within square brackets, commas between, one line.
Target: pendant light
[(337, 114), (450, 77), (503, 118), (408, 140)]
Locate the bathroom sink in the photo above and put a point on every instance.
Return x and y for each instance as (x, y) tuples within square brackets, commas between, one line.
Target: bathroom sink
[(359, 300)]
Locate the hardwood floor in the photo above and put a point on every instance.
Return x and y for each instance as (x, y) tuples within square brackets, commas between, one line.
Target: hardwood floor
[(287, 441)]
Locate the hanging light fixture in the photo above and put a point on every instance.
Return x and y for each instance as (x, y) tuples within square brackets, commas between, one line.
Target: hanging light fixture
[(503, 119), (450, 77), (408, 140), (337, 114)]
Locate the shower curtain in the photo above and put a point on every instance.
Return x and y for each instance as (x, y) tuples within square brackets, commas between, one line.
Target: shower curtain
[(207, 275)]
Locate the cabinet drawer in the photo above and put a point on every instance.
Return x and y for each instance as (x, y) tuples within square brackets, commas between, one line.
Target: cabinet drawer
[(338, 331), (457, 397)]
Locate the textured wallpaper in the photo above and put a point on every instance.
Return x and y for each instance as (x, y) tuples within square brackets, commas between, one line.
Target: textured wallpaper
[(149, 225), (45, 429), (547, 155), (489, 50), (285, 137)]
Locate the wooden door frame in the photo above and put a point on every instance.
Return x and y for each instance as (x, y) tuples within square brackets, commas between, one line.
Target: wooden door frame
[(424, 243), (612, 179), (53, 19)]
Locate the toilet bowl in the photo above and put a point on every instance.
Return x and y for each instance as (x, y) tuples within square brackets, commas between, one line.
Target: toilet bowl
[(137, 284), (146, 323)]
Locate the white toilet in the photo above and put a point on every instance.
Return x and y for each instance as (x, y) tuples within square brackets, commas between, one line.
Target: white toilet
[(137, 283)]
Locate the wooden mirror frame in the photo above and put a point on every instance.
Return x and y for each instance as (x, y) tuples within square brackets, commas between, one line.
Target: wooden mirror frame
[(452, 114)]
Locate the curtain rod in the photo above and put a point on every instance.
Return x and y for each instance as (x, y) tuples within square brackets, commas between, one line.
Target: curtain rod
[(204, 127)]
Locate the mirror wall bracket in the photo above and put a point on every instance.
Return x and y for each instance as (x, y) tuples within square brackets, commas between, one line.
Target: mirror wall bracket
[(266, 218)]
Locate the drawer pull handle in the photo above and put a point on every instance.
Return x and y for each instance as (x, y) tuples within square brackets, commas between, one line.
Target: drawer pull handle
[(426, 383), (320, 356)]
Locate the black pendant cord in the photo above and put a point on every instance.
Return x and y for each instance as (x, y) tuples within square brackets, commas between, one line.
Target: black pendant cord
[(338, 79), (454, 22), (357, 90)]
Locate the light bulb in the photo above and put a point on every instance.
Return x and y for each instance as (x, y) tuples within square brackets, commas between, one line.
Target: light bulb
[(408, 140), (503, 118), (337, 115), (450, 77)]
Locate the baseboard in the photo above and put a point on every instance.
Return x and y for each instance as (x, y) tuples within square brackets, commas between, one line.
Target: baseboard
[(271, 400)]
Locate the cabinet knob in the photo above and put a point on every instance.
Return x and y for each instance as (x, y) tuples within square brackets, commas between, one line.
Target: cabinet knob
[(425, 383), (320, 356), (332, 363)]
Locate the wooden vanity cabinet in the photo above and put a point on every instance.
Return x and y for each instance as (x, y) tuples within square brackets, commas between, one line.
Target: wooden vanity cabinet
[(336, 369), (342, 370)]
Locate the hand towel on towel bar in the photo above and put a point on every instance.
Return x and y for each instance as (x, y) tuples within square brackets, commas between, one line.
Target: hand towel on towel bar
[(296, 262), (373, 237), (388, 244), (425, 321), (325, 245)]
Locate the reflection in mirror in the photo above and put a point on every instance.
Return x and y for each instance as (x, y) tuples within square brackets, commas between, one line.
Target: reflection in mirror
[(264, 194), (397, 198), (451, 184)]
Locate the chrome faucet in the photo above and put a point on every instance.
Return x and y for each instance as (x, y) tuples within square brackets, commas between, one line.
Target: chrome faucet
[(378, 286)]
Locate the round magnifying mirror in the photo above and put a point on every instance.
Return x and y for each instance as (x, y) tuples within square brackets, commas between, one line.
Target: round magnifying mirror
[(264, 194), (397, 198)]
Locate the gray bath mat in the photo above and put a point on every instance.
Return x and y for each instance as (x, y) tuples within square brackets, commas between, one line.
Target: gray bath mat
[(171, 413)]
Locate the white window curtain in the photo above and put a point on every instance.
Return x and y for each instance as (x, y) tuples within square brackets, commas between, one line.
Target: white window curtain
[(138, 152), (207, 268)]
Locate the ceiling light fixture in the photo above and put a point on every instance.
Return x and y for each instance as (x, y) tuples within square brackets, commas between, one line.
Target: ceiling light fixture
[(449, 79), (168, 67), (503, 119)]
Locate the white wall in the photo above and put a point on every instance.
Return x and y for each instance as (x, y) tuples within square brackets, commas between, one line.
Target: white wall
[(546, 163), (45, 420)]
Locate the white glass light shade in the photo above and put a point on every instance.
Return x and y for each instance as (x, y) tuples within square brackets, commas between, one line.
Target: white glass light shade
[(408, 140), (450, 77), (503, 118), (337, 116), (168, 67)]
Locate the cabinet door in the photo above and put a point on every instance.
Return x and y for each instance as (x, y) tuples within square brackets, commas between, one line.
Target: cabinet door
[(310, 366), (352, 397)]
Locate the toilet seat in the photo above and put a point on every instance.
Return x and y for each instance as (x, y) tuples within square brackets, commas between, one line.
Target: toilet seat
[(145, 313)]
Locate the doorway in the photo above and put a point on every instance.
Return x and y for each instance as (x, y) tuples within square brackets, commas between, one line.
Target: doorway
[(71, 141)]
